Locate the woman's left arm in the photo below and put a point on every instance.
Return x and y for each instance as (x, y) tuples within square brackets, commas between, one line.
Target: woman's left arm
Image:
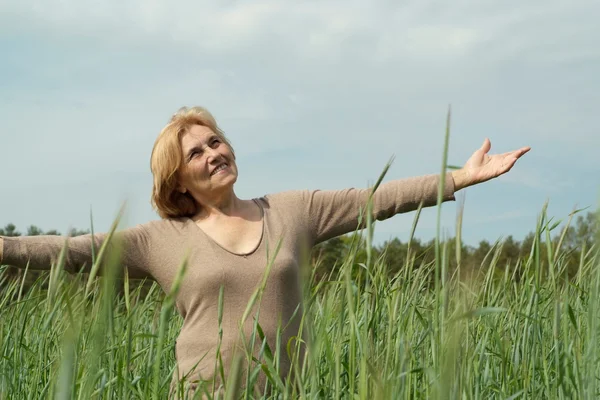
[(330, 213), (336, 212)]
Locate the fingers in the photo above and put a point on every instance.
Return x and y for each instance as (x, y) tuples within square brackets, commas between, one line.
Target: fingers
[(507, 164), (486, 146), (521, 151), (516, 153)]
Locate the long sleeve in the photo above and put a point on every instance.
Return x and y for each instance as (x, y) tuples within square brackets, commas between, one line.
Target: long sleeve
[(336, 212), (43, 251)]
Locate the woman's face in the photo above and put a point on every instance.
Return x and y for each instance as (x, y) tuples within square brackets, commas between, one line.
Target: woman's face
[(208, 167)]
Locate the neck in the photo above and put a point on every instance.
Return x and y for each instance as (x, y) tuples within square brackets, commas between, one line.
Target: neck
[(226, 204)]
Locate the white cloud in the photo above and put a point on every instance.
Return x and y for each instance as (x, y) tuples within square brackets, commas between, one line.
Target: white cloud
[(310, 29)]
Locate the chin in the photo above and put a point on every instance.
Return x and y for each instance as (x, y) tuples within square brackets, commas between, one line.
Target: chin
[(234, 174), (230, 180)]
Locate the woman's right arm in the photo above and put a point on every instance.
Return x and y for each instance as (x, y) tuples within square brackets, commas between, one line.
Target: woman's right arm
[(41, 252)]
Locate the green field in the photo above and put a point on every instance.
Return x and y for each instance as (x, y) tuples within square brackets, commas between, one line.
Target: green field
[(424, 332)]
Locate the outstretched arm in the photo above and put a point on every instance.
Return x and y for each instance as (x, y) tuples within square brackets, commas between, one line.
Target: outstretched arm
[(334, 213), (40, 252)]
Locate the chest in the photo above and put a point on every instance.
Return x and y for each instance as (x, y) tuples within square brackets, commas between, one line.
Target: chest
[(238, 236)]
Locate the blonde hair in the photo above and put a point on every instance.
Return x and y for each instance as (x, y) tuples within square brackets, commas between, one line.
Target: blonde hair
[(167, 158)]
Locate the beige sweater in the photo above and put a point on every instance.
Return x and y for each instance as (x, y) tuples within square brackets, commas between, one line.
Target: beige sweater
[(300, 219)]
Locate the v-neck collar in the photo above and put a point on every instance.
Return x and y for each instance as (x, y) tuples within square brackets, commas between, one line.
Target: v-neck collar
[(263, 219)]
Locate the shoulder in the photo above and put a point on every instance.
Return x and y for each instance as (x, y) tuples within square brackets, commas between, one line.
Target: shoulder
[(287, 207), (290, 199), (307, 199), (165, 236), (171, 226)]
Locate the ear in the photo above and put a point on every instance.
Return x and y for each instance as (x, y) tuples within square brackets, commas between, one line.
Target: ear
[(181, 189)]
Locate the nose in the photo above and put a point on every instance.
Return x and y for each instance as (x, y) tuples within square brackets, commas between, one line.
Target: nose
[(212, 154)]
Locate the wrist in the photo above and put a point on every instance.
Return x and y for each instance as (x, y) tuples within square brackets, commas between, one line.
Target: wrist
[(462, 179)]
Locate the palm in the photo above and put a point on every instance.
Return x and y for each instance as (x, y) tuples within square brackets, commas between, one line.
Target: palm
[(482, 166)]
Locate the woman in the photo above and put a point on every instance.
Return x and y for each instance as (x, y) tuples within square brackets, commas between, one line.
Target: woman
[(230, 241)]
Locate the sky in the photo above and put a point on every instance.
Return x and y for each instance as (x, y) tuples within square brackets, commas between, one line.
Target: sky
[(313, 95)]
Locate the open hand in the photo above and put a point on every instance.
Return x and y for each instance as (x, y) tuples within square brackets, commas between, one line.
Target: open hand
[(482, 166)]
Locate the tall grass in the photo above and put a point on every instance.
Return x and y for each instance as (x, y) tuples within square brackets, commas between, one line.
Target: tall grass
[(502, 338), (426, 332)]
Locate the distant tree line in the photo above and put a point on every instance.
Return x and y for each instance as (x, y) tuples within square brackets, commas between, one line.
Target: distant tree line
[(581, 235), (32, 230)]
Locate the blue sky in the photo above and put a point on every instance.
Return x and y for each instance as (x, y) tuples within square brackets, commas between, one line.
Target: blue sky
[(312, 95)]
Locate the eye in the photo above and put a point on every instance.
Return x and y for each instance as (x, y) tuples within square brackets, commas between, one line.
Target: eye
[(193, 154), (215, 142)]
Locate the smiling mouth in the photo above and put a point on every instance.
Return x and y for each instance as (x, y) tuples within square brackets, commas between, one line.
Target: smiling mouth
[(219, 169)]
